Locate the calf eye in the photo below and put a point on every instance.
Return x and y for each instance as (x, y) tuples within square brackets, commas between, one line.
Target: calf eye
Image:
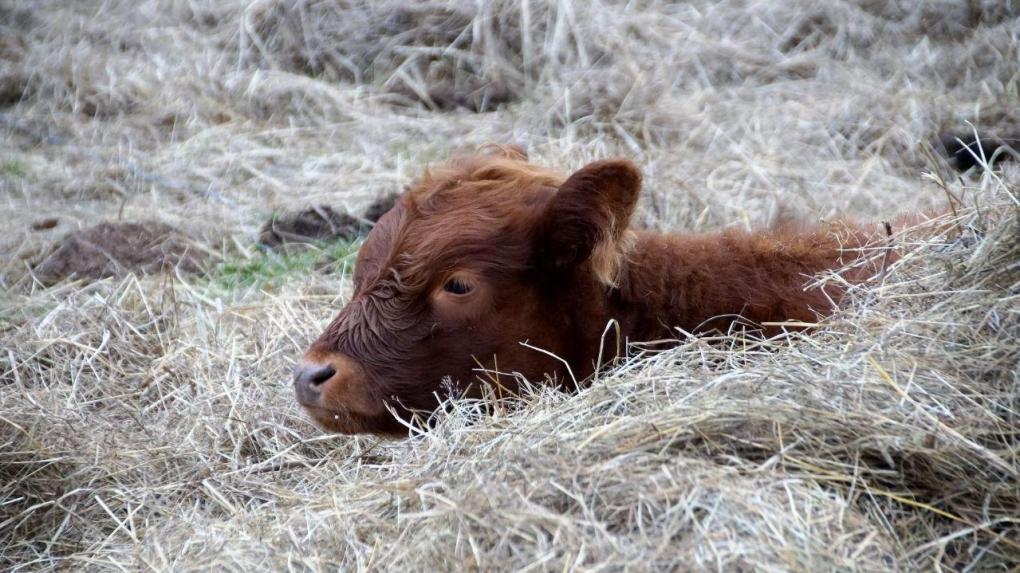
[(457, 286)]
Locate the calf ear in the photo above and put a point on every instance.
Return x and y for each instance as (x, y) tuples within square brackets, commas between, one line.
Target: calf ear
[(588, 216)]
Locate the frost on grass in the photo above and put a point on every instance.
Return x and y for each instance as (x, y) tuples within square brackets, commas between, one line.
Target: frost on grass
[(148, 422)]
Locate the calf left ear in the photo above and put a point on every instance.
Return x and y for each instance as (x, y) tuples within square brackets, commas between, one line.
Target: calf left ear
[(587, 218)]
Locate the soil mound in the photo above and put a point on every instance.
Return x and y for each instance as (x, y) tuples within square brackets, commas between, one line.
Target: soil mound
[(322, 223), (312, 225), (116, 249), (965, 150)]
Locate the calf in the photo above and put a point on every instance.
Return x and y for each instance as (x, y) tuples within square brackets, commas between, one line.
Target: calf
[(490, 263)]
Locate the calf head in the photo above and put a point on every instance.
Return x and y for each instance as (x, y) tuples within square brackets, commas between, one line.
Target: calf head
[(482, 262)]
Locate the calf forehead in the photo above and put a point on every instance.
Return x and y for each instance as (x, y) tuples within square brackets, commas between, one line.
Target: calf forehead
[(459, 226), (468, 208)]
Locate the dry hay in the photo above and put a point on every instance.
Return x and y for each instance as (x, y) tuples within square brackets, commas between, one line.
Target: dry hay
[(148, 422)]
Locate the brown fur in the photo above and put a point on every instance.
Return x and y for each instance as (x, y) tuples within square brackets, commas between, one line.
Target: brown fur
[(550, 262)]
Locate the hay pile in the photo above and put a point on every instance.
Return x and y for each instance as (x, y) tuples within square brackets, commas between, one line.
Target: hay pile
[(148, 422)]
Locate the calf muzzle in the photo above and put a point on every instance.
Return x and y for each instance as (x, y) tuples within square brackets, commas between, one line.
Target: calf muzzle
[(309, 379)]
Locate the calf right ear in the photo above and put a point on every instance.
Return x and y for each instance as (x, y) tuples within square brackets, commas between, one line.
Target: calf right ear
[(587, 218)]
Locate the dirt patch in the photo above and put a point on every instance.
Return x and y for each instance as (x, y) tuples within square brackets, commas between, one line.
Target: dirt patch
[(381, 206), (117, 249), (45, 224), (312, 225), (321, 223), (964, 150), (12, 87)]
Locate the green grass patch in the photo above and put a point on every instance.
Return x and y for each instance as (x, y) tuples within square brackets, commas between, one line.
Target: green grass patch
[(267, 269), (13, 169)]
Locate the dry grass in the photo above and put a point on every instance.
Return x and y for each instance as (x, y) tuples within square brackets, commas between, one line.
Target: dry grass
[(148, 423)]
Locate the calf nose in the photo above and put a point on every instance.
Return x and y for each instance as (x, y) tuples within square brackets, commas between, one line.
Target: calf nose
[(314, 374), (308, 380)]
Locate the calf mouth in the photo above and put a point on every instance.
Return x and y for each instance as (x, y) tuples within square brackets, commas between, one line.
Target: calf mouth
[(343, 421)]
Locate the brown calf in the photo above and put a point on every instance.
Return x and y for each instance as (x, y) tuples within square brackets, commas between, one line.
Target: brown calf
[(490, 258)]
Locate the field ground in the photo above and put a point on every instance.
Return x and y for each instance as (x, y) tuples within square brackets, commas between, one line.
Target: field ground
[(148, 422)]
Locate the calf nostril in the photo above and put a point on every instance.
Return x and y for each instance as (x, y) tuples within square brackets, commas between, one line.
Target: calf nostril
[(318, 375), (313, 375)]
